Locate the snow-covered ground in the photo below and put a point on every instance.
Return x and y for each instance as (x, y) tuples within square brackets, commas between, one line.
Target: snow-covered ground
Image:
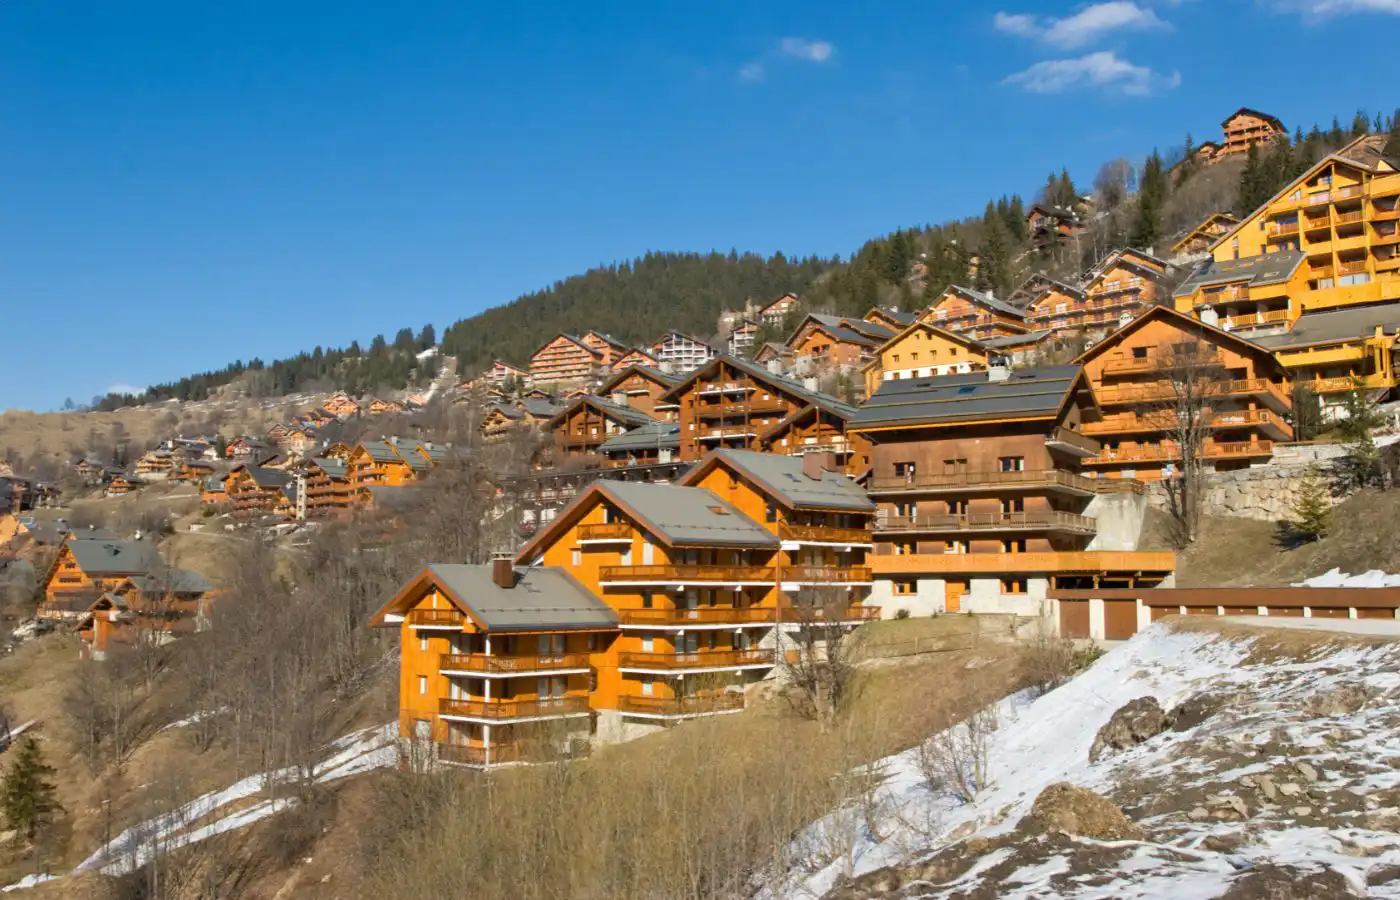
[(241, 803), (1332, 709), (1335, 578)]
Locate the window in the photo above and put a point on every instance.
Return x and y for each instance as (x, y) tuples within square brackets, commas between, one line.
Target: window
[(1012, 463), (905, 509), (422, 643), (957, 507), (770, 512), (576, 557), (422, 684), (904, 548), (647, 645), (1017, 545), (903, 587), (1013, 505), (646, 599), (1139, 353), (1013, 585), (592, 643)]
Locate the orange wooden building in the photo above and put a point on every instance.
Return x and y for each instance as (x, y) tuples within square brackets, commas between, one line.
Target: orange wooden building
[(587, 423), (1138, 372), (822, 343), (565, 358), (641, 387), (975, 314)]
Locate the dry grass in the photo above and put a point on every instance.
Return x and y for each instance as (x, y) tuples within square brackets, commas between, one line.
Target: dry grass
[(1236, 552)]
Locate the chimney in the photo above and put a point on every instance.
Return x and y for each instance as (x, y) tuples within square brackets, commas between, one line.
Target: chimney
[(998, 369), (991, 294), (775, 366), (619, 398), (815, 465), (503, 572), (667, 366), (810, 383)]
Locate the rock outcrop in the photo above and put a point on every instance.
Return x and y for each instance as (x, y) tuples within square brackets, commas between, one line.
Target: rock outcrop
[(1062, 807)]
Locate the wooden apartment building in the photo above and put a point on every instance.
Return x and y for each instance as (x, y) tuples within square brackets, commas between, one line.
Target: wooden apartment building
[(824, 343), (776, 312), (982, 503), (584, 425), (1200, 238), (1328, 241), (679, 352), (154, 607), (638, 606), (1244, 128), (975, 314), (565, 358), (641, 387), (1143, 376), (920, 350)]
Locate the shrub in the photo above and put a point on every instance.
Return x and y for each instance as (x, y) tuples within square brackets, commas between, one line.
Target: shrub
[(901, 613)]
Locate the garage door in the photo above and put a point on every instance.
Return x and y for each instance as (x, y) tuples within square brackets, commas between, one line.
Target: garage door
[(1119, 619), (1330, 612), (1074, 618), (1378, 613)]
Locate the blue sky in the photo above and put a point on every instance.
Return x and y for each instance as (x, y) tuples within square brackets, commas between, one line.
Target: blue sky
[(185, 184)]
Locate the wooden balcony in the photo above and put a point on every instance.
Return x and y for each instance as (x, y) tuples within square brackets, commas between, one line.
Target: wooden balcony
[(1164, 391), (813, 615), (607, 531), (740, 409), (701, 615), (681, 707), (506, 710), (478, 755), (1039, 520), (1351, 268), (686, 575), (1168, 452), (706, 659), (733, 433), (509, 665), (1349, 218), (979, 482), (822, 534), (1346, 383), (1133, 423), (1085, 561), (1121, 364), (1279, 229), (1224, 295), (583, 440), (1256, 319), (826, 575), (440, 618), (1071, 442), (1317, 223)]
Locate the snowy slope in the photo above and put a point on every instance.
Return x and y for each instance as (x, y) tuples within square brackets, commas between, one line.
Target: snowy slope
[(1282, 709)]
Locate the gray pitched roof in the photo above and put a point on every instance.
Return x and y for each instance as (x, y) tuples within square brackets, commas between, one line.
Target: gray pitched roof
[(1016, 340), (381, 451), (99, 557), (335, 468), (654, 435), (999, 305), (782, 476), (178, 581), (688, 515), (1026, 392), (1267, 268), (761, 374), (905, 319), (1335, 325), (265, 477), (543, 598), (651, 372), (856, 331), (539, 407)]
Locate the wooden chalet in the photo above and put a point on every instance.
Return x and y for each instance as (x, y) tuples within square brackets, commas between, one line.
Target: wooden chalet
[(392, 462), (731, 403), (776, 312), (378, 407), (341, 406), (641, 387), (741, 336), (824, 343), (498, 374), (773, 354), (154, 464), (565, 358), (1120, 287), (155, 607), (975, 314), (259, 490), (654, 443), (610, 350), (820, 428), (1244, 128), (213, 491), (192, 470), (634, 357), (891, 318), (921, 350), (326, 485), (277, 433), (245, 448), (588, 422), (84, 569), (121, 484), (1198, 240), (1051, 224), (1138, 371), (1060, 307)]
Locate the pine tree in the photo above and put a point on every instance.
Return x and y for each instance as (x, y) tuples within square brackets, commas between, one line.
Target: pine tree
[(1252, 183), (1392, 141), (994, 272), (1152, 197), (26, 798), (1016, 219), (1312, 510), (1362, 466)]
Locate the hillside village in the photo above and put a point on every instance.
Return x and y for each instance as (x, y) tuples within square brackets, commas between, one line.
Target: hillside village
[(611, 539)]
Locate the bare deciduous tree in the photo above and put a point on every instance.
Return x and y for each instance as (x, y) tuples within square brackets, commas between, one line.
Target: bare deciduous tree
[(1194, 380), (817, 656)]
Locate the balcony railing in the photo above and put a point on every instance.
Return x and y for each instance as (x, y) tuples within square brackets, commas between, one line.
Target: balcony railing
[(700, 615), (474, 755), (497, 710), (435, 617), (1351, 268), (1250, 320), (606, 531), (1036, 520), (965, 481), (582, 440), (1168, 451), (1026, 563), (1073, 441), (1317, 223), (505, 665), (827, 574), (1348, 218), (686, 574), (708, 659), (824, 534), (1164, 390), (1346, 383), (730, 701), (724, 434), (751, 408), (1131, 364), (1281, 228), (820, 614)]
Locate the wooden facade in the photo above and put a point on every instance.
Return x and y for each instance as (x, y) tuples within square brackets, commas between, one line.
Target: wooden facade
[(634, 357), (730, 403), (565, 358), (641, 387), (1200, 238), (1138, 373), (974, 314), (1245, 128), (776, 312), (587, 423), (820, 428), (923, 350), (824, 343)]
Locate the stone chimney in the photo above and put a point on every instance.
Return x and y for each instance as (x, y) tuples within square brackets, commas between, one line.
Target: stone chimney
[(815, 465), (998, 369), (503, 572), (810, 382)]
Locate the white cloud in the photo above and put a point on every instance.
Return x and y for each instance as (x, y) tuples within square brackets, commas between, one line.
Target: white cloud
[(1090, 24), (751, 71), (1324, 8), (804, 49), (1103, 71)]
